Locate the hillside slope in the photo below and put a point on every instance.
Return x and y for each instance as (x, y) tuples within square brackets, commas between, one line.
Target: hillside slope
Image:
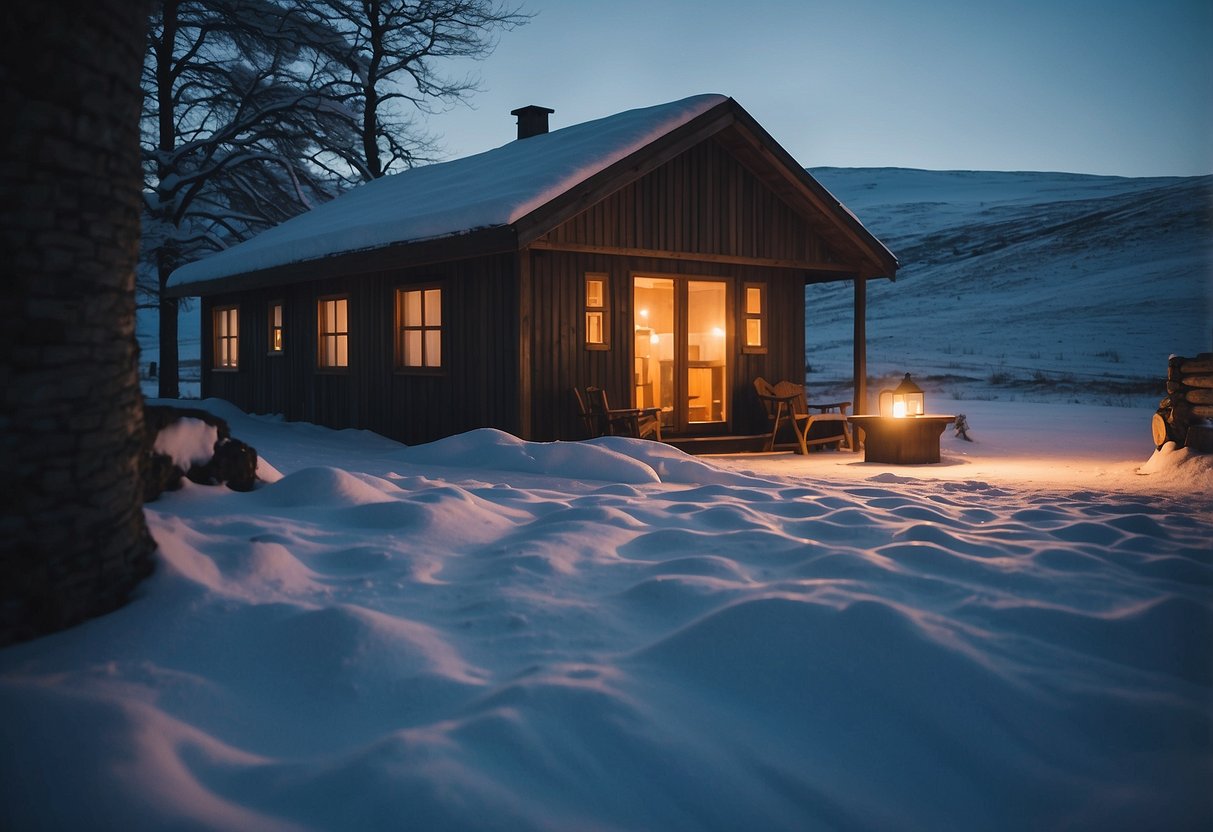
[(1023, 285)]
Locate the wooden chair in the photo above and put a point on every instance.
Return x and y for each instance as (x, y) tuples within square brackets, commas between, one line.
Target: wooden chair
[(602, 420), (813, 424)]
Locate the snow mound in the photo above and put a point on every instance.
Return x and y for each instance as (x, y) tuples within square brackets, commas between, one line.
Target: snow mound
[(1181, 468), (613, 459), (187, 442), (672, 465), (500, 451), (325, 486)]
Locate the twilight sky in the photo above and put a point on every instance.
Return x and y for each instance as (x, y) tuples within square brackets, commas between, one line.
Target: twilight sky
[(1119, 87)]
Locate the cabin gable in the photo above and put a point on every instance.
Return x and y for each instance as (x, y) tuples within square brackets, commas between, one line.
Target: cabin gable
[(702, 202)]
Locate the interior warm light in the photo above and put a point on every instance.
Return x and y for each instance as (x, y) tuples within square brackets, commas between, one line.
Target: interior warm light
[(644, 313), (654, 338), (718, 332), (899, 410)]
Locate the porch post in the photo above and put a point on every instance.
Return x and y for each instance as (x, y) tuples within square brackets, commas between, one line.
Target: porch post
[(523, 281), (859, 346)]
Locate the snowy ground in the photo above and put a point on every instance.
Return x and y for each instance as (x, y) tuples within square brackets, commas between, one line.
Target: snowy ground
[(487, 634)]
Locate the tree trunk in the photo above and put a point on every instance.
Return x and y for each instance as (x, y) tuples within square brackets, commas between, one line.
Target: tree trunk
[(73, 541), (169, 386), (167, 255)]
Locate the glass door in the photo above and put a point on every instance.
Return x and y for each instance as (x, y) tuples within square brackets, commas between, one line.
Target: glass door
[(706, 352), (654, 318), (681, 351)]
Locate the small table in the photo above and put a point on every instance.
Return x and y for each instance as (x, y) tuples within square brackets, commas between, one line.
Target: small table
[(910, 440)]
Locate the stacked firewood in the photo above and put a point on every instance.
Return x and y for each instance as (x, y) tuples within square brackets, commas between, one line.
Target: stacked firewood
[(1185, 416)]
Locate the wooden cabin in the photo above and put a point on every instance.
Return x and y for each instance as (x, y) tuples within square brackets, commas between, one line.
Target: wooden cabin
[(660, 253)]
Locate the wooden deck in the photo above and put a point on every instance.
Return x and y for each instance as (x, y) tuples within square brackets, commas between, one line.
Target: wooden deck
[(748, 444)]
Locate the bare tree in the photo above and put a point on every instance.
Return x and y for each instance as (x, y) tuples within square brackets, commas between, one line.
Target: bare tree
[(234, 98), (73, 541), (255, 110), (393, 67)]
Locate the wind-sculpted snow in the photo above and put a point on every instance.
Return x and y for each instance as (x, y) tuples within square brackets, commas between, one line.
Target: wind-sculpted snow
[(492, 634)]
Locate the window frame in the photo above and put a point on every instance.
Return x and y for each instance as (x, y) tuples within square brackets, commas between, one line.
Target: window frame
[(231, 313), (322, 334), (401, 329), (747, 316), (603, 311), (276, 326)]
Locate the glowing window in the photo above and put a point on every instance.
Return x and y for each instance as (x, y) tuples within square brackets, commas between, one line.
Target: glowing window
[(333, 315), (754, 318), (419, 328), (227, 337), (276, 328), (597, 312)]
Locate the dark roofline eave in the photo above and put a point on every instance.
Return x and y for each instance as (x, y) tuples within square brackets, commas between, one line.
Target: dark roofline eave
[(500, 239)]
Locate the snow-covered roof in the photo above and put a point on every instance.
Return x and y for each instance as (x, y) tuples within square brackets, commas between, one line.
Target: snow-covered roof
[(494, 188)]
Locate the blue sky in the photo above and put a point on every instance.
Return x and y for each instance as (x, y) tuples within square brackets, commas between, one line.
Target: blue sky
[(1086, 86)]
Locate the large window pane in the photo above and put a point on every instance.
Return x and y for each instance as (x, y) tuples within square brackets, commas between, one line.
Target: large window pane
[(433, 307), (706, 351), (412, 348), (653, 305), (412, 309), (433, 348)]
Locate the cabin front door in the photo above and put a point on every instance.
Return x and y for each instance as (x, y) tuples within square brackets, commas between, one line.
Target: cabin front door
[(681, 351)]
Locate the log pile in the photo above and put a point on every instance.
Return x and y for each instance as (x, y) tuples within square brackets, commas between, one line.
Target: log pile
[(1185, 416)]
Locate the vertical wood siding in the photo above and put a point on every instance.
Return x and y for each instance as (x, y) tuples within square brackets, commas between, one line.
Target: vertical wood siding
[(477, 386), (703, 200), (561, 361)]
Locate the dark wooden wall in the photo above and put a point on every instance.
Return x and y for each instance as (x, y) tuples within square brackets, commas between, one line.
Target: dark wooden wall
[(476, 388), (561, 361)]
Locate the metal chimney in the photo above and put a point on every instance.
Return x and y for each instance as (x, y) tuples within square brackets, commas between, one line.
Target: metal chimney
[(532, 120)]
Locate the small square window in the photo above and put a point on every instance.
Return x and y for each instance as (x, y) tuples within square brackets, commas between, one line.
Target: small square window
[(419, 328), (593, 328), (597, 312), (227, 337), (754, 318), (334, 345), (753, 300), (276, 328)]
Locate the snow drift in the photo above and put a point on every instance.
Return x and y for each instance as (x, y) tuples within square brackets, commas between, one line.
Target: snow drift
[(489, 633)]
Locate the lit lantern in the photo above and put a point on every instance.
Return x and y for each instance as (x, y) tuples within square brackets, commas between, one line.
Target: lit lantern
[(905, 399)]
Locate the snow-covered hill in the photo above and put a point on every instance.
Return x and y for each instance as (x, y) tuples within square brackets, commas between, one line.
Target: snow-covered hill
[(1044, 286), (1023, 285)]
